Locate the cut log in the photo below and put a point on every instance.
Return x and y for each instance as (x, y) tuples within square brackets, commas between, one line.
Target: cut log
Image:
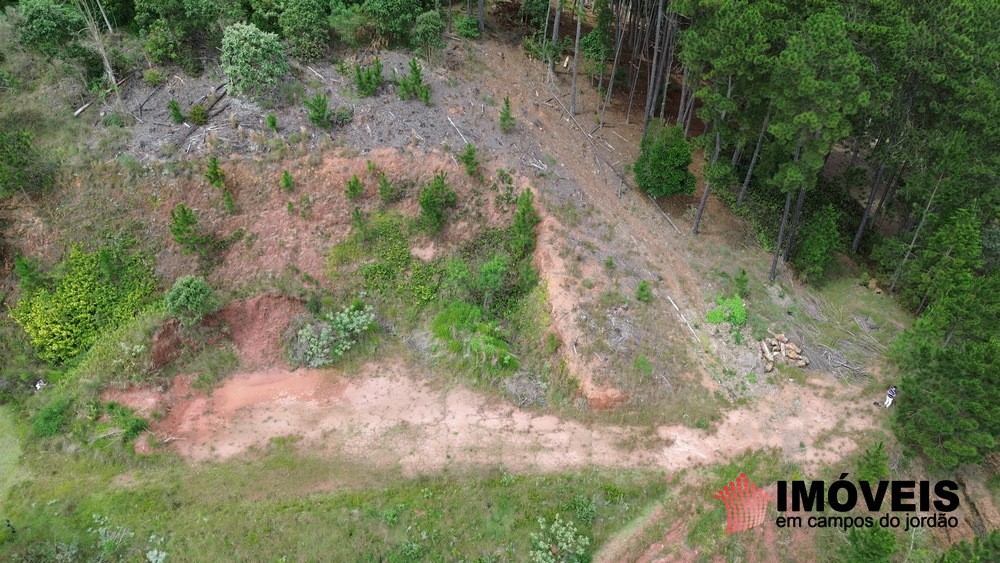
[(801, 363), (792, 355), (769, 367), (791, 346), (766, 351), (783, 352)]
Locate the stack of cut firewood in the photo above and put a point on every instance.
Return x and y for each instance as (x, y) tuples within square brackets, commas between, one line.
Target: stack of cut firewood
[(779, 349)]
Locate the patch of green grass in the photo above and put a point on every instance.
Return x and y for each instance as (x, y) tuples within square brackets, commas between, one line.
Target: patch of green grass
[(10, 452), (260, 510), (212, 364)]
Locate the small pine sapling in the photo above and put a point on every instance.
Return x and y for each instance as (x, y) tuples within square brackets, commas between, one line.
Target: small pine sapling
[(272, 122), (176, 115), (214, 174), (354, 188), (287, 183), (470, 158), (229, 202), (319, 110), (643, 293), (434, 200), (184, 228), (388, 192), (368, 79), (507, 121), (413, 86)]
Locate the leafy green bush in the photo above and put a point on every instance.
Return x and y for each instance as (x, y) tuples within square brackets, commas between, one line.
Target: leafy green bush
[(643, 293), (325, 341), (435, 199), (214, 173), (662, 166), (428, 33), (252, 59), (47, 25), (304, 27), (470, 158), (21, 164), (319, 110), (507, 121), (50, 419), (392, 19), (820, 237), (91, 292), (122, 355), (176, 115), (558, 542), (198, 115), (354, 188), (533, 12), (729, 310), (413, 86), (467, 27), (190, 299), (368, 79)]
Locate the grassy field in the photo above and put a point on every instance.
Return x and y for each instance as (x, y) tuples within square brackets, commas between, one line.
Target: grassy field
[(10, 452), (107, 503)]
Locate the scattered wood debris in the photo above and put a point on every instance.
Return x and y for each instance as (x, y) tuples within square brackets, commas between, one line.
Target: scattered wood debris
[(779, 349)]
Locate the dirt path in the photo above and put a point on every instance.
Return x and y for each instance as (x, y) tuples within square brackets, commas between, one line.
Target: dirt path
[(388, 416)]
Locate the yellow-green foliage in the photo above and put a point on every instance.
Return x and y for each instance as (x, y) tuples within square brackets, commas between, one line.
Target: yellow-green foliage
[(92, 292)]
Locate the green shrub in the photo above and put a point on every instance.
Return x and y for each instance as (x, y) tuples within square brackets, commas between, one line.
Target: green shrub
[(507, 121), (413, 86), (51, 418), (868, 545), (643, 293), (428, 33), (22, 167), (92, 292), (392, 19), (214, 173), (729, 310), (325, 341), (467, 27), (190, 299), (342, 115), (229, 202), (470, 158), (350, 23), (176, 115), (368, 79), (354, 188), (198, 115), (558, 542), (162, 42), (272, 122), (122, 355), (47, 25), (389, 192), (533, 12), (319, 110), (154, 77), (820, 237), (662, 166), (252, 59), (126, 419), (287, 183), (462, 328), (304, 27), (435, 199)]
